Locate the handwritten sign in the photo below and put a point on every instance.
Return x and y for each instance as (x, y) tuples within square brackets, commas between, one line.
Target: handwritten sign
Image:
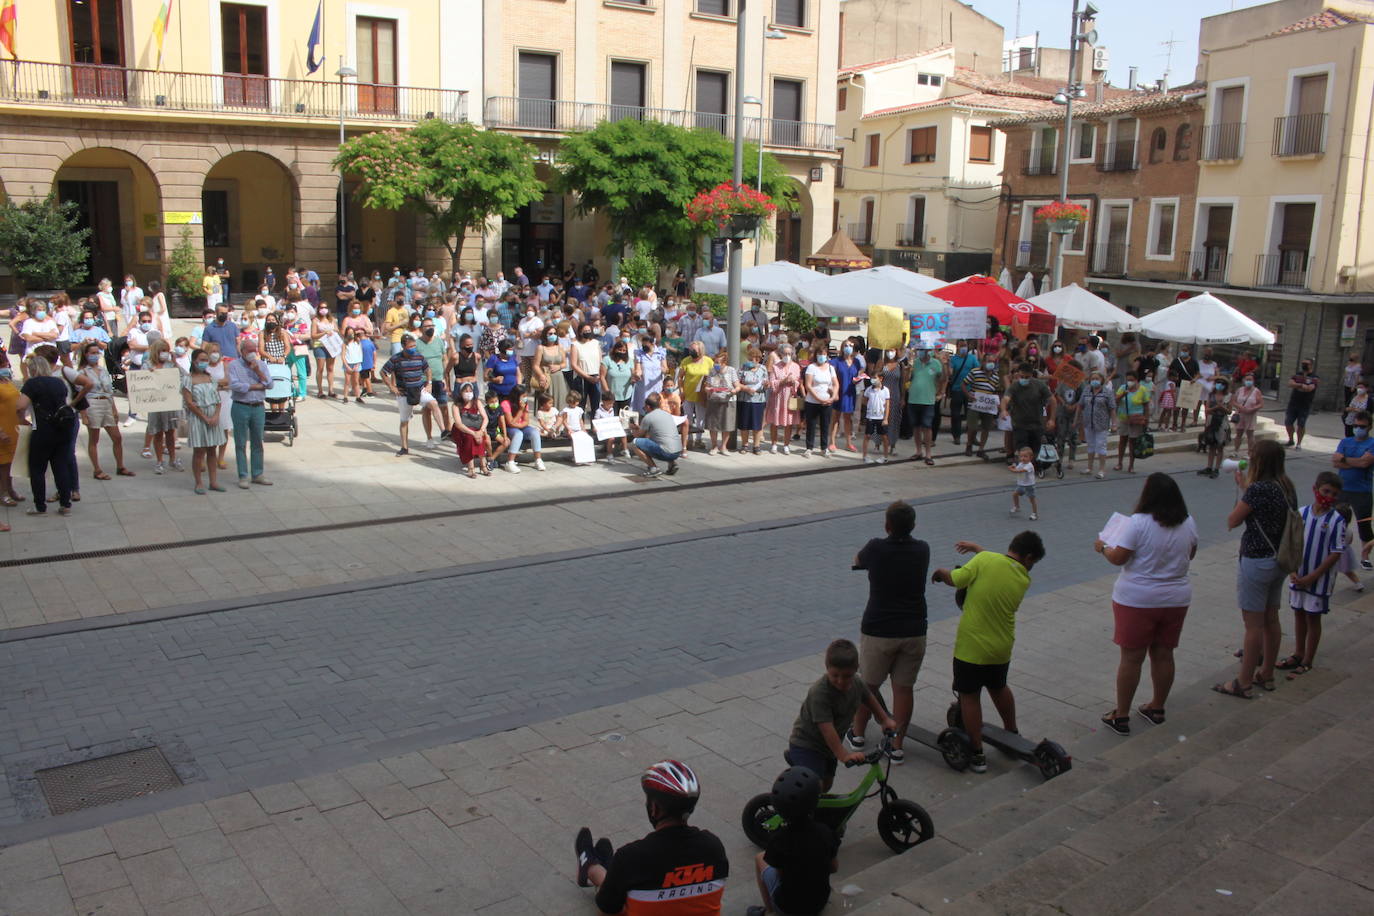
[(159, 389), (886, 327), (1068, 374), (985, 402), (608, 428), (1189, 394), (583, 447), (956, 324)]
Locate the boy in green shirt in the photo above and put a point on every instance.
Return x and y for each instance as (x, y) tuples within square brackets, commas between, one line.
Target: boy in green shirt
[(994, 585), (829, 707)]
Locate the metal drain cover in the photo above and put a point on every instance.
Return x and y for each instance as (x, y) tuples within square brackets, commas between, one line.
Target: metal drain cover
[(118, 777)]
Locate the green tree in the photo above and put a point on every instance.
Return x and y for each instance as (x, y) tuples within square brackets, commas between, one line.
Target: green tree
[(454, 175), (642, 175), (184, 268), (640, 269), (41, 243)]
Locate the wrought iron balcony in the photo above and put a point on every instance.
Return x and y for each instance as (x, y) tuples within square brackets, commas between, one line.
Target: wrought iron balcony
[(1042, 162), (1285, 270), (911, 235), (1221, 142), (1208, 265), (104, 88), (861, 233), (563, 116), (1118, 157), (1300, 135), (1111, 258)]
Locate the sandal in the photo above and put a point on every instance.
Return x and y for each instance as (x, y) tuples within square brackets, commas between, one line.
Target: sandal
[(1300, 670), (101, 475), (125, 472), (1267, 685), (1152, 715), (7, 501), (930, 461), (1290, 663), (1120, 725), (146, 453), (1233, 689)]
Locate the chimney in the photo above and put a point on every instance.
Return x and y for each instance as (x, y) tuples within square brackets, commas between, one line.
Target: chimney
[(1130, 79), (1098, 90)]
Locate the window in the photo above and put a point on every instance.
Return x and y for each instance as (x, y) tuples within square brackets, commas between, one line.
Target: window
[(714, 7), (980, 144), (376, 46), (538, 80), (97, 33), (1223, 138), (921, 144), (1113, 237), (243, 31), (871, 150), (214, 206), (841, 98), (1163, 222), (1159, 142), (790, 12), (1183, 142), (787, 111), (1085, 142), (628, 81), (839, 174), (864, 231), (912, 233), (1303, 132), (713, 94), (929, 79)]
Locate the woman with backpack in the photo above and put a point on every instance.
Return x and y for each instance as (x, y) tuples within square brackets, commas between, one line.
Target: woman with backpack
[(48, 398), (1264, 508)]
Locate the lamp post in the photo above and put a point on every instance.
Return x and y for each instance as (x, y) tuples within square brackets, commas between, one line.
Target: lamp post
[(344, 72), (758, 175), (734, 287), (1065, 97)]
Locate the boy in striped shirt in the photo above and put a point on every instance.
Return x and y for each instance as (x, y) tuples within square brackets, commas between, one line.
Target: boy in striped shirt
[(1311, 585)]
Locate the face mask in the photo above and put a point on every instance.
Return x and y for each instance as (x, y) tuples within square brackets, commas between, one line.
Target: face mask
[(209, 318), (415, 323), (429, 313), (40, 315), (164, 357), (429, 332), (93, 358), (215, 358), (505, 352), (1081, 348), (848, 351), (179, 351), (1361, 432), (959, 351), (467, 395), (1033, 352), (1023, 382), (1249, 383), (1096, 383), (989, 367), (822, 358), (529, 313), (1056, 350), (1132, 385), (222, 317), (88, 322), (202, 365), (145, 326), (129, 284), (357, 312), (550, 338), (1183, 354), (410, 351), (6, 375), (265, 292), (924, 357)]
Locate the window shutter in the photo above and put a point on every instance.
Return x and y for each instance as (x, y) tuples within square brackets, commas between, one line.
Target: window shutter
[(536, 76), (712, 91), (627, 84), (1297, 227), (790, 12), (872, 157), (980, 144), (714, 7), (787, 101)]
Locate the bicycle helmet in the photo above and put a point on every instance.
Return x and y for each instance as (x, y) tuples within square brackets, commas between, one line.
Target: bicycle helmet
[(795, 792), (673, 785)]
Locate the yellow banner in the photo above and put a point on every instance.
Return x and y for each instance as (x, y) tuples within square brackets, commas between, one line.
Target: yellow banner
[(182, 217), (887, 327)]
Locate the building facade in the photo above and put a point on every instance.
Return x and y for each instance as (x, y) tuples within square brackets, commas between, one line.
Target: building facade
[(556, 67), (223, 132)]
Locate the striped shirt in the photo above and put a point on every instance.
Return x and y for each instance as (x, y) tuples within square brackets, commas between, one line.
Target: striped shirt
[(1322, 535)]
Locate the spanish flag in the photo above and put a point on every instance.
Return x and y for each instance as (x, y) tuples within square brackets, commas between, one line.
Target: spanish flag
[(164, 17), (9, 21)]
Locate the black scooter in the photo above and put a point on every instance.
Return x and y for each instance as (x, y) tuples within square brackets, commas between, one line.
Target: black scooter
[(1048, 756)]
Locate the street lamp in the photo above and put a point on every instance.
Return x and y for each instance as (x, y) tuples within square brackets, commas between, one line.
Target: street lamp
[(770, 33), (344, 72), (1065, 97)]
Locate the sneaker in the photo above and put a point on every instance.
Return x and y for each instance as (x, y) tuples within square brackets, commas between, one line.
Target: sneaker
[(158, 468), (672, 468), (867, 460), (1358, 586), (1034, 517), (1014, 510), (978, 762), (610, 459), (773, 449), (401, 452), (512, 467), (1365, 564), (359, 400), (146, 453), (1205, 472), (827, 454), (243, 483), (1086, 471), (897, 755), (585, 851), (805, 454), (605, 852), (787, 450), (713, 451), (881, 460), (262, 481), (652, 472), (539, 464), (430, 442), (177, 465), (855, 741)]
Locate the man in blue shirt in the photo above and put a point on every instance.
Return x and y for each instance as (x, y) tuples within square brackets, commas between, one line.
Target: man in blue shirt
[(1354, 459), (224, 332), (961, 364)]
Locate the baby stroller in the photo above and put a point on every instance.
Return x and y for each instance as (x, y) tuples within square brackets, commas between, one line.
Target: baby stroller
[(280, 405), (1049, 458)]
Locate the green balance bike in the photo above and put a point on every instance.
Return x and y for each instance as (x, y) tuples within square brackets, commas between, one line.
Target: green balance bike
[(901, 823)]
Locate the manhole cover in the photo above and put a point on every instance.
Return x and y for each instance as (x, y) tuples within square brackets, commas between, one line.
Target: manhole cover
[(104, 780)]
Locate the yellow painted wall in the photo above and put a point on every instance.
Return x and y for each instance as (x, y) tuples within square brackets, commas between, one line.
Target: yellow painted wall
[(139, 196), (265, 205)]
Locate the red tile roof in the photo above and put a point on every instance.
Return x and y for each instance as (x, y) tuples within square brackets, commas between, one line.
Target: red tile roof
[(1134, 103), (1326, 19), (1028, 87), (984, 100), (873, 64)]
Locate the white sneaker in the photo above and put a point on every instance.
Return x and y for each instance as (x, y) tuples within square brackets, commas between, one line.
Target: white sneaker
[(158, 469), (825, 454), (512, 467), (431, 442), (1086, 471), (712, 451), (787, 449), (806, 453), (867, 460), (773, 449), (539, 464), (1034, 517), (610, 459), (1014, 510), (881, 460)]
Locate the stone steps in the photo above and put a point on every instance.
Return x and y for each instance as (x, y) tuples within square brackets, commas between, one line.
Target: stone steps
[(1249, 798)]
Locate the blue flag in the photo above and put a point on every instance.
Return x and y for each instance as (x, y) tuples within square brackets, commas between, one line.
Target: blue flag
[(313, 63)]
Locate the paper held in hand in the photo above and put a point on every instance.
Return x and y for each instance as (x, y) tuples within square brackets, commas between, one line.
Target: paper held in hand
[(158, 389), (1189, 394), (608, 428), (583, 447), (985, 402), (1115, 528), (1069, 374)]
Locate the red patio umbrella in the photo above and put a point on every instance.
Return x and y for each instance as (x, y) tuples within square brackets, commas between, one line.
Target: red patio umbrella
[(1002, 304)]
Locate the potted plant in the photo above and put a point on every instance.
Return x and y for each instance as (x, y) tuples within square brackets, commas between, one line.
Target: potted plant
[(185, 276), (43, 246), (731, 212), (1062, 215)]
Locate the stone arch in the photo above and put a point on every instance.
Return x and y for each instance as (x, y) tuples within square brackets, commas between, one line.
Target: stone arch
[(120, 199), (793, 230), (250, 200)]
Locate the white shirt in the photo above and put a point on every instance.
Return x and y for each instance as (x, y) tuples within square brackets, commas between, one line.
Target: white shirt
[(530, 326), (876, 399), (1156, 575), (1206, 371), (820, 380), (63, 318), (572, 418), (1025, 473), (129, 298), (46, 326)]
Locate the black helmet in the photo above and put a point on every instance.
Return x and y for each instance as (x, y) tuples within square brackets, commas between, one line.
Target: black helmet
[(795, 793)]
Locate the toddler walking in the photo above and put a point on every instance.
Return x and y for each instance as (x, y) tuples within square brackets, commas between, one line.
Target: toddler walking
[(1024, 469)]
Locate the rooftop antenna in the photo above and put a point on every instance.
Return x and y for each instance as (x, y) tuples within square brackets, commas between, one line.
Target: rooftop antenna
[(1169, 57)]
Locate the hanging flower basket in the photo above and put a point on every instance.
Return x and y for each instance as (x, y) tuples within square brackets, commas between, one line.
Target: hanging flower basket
[(1062, 216), (729, 212)]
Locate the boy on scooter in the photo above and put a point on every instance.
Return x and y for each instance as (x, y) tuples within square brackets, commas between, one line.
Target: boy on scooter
[(827, 712), (994, 584)]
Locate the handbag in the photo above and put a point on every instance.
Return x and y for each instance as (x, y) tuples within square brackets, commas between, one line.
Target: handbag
[(1288, 555), (794, 404), (1143, 446), (413, 395)]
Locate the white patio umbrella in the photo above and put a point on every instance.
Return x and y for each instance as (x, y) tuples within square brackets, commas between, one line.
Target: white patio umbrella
[(1004, 280), (1205, 319), (777, 281), (852, 293), (1045, 282), (1075, 307), (1027, 287)]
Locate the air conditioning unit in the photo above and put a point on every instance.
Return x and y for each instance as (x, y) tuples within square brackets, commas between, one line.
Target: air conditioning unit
[(1101, 59)]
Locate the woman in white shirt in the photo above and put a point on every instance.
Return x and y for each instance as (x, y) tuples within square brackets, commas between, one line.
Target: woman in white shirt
[(162, 319), (821, 389), (1151, 595), (109, 306)]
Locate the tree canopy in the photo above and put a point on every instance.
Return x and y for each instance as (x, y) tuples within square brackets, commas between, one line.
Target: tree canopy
[(642, 175), (455, 175), (42, 242)]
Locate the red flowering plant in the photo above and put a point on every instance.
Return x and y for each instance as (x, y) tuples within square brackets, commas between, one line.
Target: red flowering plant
[(719, 207), (1062, 210)]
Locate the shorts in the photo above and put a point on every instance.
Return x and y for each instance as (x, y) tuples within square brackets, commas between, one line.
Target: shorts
[(1026, 491), (321, 353), (1259, 583), (875, 428), (1307, 602), (404, 409), (772, 880), (654, 450), (977, 421), (1143, 627), (818, 762), (436, 388), (100, 414), (1096, 441), (971, 678), (1296, 414), (63, 346), (922, 415), (899, 657)]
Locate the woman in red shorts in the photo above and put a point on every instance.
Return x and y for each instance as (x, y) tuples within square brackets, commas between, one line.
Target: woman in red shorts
[(1151, 595)]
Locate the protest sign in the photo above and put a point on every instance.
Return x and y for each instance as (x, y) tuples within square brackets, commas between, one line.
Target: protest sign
[(158, 389), (956, 324), (985, 402), (1068, 374), (1189, 394), (608, 428), (886, 327), (583, 447)]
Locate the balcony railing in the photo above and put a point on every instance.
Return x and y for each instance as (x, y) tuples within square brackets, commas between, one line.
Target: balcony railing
[(1118, 157), (911, 235), (861, 233), (1042, 162), (1300, 135), (1222, 141), (1285, 270), (1208, 265), (1110, 258), (563, 116), (106, 88)]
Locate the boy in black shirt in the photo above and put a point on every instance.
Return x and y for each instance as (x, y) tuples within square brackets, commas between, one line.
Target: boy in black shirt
[(794, 871)]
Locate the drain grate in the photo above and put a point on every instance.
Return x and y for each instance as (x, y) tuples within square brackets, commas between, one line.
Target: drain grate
[(118, 777)]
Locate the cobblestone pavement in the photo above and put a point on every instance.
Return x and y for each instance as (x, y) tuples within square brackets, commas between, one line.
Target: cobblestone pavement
[(280, 690)]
